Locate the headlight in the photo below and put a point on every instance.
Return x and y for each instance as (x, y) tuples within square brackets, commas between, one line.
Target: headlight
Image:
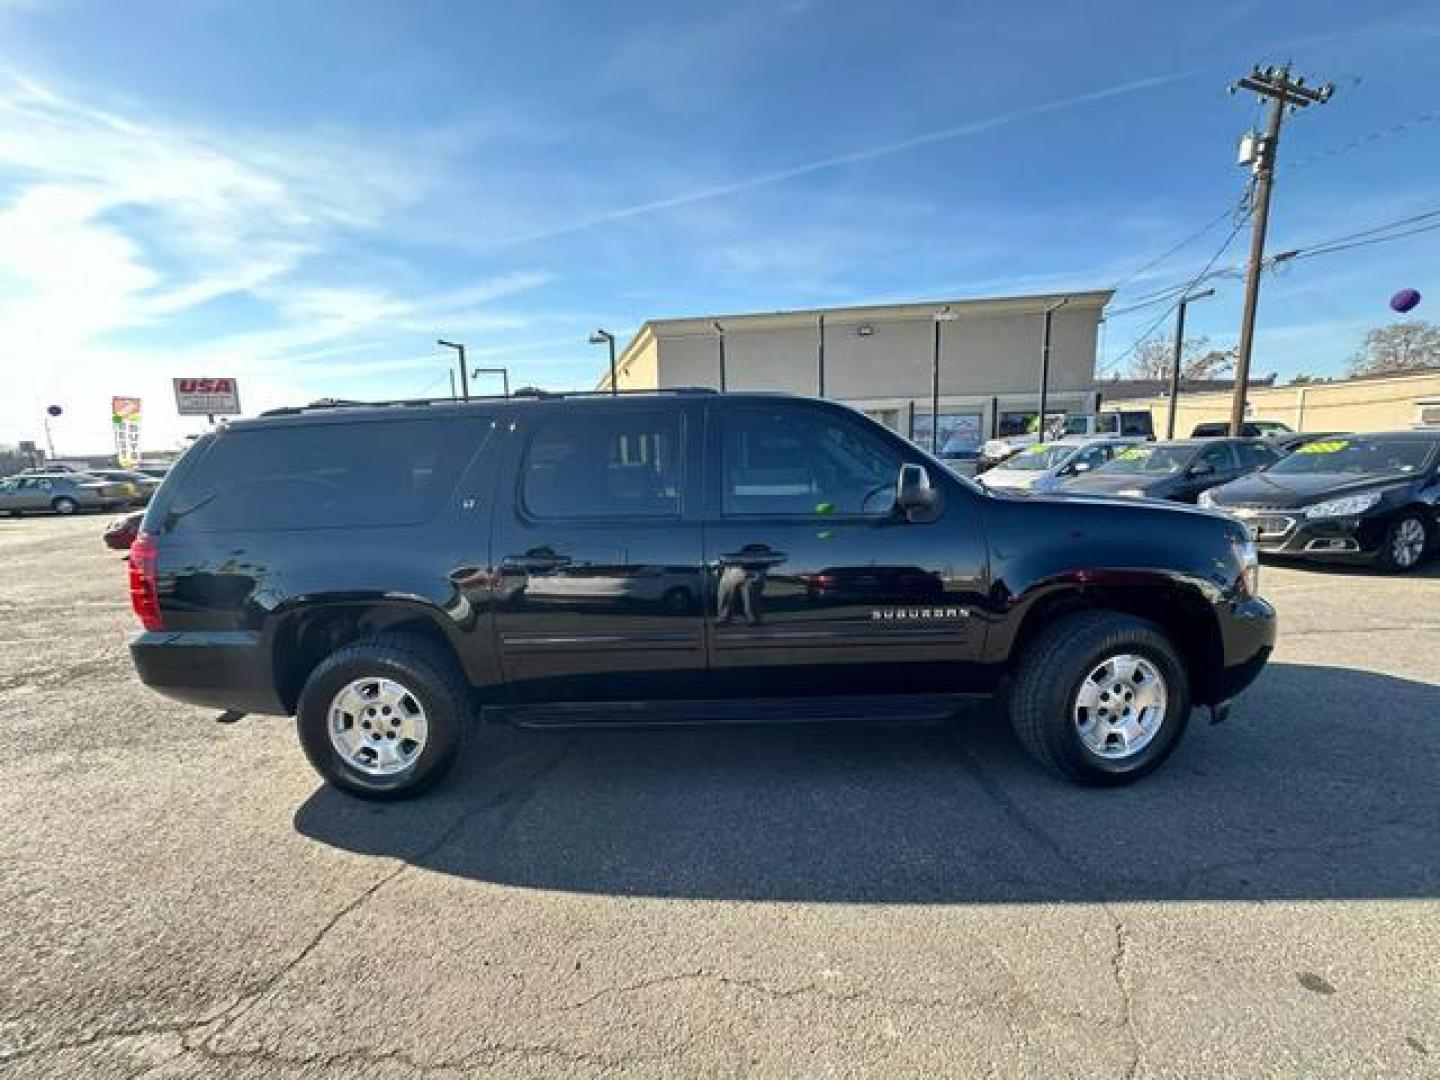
[(1207, 498), (1131, 493), (1351, 504)]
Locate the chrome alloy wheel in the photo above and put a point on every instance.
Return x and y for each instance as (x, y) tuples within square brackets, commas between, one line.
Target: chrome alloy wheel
[(1409, 542), (1120, 706), (377, 726)]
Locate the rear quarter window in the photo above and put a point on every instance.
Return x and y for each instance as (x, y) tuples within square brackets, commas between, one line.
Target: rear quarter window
[(312, 476)]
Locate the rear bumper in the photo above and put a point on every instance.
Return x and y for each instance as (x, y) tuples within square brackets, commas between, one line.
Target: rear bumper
[(1247, 637), (228, 669)]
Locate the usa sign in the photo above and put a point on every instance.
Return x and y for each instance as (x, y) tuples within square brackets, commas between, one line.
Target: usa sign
[(207, 397)]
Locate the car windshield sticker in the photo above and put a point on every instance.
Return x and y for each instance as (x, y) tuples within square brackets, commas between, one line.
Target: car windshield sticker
[(824, 508), (1134, 453), (1038, 448), (1324, 446)]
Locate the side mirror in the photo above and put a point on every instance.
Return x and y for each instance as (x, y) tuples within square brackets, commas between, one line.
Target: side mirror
[(913, 493)]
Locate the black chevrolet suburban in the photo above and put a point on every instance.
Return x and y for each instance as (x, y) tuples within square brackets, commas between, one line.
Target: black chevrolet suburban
[(384, 571)]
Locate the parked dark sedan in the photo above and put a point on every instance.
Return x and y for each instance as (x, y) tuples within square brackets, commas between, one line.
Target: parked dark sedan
[(1356, 497), (1178, 471)]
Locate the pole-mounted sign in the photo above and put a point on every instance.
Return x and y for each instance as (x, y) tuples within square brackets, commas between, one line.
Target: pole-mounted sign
[(207, 397)]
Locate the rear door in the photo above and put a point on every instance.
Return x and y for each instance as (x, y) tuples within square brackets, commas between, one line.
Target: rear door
[(813, 584), (597, 552)]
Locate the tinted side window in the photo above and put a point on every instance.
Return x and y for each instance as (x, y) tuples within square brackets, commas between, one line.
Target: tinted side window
[(328, 475), (1254, 455), (1221, 457), (602, 465), (797, 461), (1136, 423)]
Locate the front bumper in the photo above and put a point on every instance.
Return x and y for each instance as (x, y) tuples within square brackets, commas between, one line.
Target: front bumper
[(1289, 532), (1247, 638), (220, 669)]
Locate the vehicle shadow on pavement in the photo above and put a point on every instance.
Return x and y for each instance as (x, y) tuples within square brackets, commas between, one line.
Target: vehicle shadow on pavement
[(1429, 569), (1320, 786)]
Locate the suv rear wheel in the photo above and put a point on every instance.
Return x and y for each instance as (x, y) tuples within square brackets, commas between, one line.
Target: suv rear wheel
[(383, 718), (1100, 698), (64, 505)]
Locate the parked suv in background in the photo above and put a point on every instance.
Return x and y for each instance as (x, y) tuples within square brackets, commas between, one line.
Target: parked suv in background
[(1250, 429), (668, 557)]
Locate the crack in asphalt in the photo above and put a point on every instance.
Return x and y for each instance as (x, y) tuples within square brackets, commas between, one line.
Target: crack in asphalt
[(1119, 968), (516, 797), (512, 800)]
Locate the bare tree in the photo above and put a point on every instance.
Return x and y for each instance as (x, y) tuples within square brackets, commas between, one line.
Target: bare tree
[(1197, 360), (1402, 346)]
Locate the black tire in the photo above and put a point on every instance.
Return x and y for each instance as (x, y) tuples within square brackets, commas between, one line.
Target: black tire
[(1388, 559), (432, 678), (65, 506), (1049, 678)]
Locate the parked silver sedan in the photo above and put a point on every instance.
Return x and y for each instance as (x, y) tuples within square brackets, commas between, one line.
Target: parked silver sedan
[(1042, 467), (60, 493)]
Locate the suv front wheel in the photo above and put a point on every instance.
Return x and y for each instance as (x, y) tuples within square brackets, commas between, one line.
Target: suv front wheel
[(383, 718), (1100, 698)]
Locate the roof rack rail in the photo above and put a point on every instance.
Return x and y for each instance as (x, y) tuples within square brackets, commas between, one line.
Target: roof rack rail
[(531, 393)]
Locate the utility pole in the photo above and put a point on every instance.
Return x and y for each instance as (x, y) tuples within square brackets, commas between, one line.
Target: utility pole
[(1179, 353), (1273, 84), (464, 372), (1045, 363)]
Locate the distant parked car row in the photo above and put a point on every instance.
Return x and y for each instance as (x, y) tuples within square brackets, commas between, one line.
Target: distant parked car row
[(37, 491), (1373, 497)]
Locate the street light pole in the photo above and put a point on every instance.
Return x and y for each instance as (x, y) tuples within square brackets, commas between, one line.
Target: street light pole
[(721, 331), (1045, 364), (607, 338), (464, 372), (1175, 362)]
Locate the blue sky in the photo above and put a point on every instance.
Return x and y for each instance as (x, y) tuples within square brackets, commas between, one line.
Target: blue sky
[(306, 195)]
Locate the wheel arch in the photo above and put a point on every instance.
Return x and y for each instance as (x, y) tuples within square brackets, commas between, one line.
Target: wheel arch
[(1177, 607), (309, 632)]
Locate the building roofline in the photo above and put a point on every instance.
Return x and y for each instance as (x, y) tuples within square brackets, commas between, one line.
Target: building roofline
[(1034, 303)]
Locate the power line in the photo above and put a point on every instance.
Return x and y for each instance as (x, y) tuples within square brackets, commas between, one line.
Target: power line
[(1181, 291)]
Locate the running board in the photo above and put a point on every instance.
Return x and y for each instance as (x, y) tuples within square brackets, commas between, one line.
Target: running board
[(783, 710)]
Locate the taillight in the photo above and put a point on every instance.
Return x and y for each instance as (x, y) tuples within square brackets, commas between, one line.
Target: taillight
[(144, 589)]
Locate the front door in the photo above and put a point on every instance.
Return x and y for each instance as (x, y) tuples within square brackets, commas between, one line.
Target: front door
[(597, 554), (815, 584)]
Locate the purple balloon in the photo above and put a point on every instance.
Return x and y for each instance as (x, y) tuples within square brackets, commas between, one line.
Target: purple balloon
[(1405, 300), (54, 410)]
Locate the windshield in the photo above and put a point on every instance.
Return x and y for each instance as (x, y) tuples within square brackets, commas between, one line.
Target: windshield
[(1156, 460), (1358, 456), (1037, 458)]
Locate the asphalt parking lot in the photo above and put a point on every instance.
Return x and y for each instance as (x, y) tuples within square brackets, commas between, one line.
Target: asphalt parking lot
[(184, 899)]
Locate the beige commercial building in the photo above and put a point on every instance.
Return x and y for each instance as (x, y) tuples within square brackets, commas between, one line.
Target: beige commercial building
[(1371, 403), (881, 359)]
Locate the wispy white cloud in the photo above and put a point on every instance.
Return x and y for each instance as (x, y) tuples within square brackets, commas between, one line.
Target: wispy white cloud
[(110, 224), (852, 157)]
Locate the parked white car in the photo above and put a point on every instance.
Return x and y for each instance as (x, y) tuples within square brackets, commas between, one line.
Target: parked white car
[(1043, 466)]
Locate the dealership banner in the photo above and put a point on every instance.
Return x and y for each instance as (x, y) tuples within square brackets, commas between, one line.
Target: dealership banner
[(207, 397)]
